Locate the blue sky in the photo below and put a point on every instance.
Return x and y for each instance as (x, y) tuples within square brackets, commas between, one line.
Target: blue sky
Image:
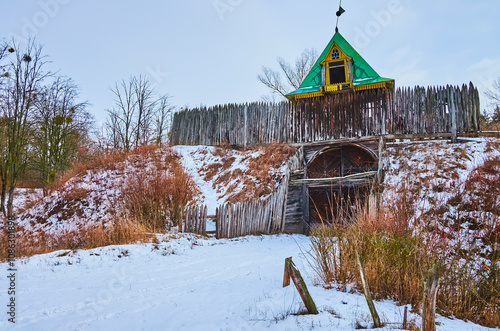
[(210, 51)]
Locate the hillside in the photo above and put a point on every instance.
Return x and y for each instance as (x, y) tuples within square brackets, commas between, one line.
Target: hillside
[(98, 196), (450, 191)]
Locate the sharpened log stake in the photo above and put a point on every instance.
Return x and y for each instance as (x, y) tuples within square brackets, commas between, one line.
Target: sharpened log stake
[(292, 272)]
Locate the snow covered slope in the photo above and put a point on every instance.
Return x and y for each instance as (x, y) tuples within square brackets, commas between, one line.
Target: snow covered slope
[(95, 196)]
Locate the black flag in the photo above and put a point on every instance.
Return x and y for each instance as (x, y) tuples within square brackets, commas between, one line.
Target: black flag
[(341, 11)]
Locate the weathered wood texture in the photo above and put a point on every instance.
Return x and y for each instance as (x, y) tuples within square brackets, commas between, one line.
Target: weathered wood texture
[(258, 216), (367, 113), (431, 286), (368, 294), (292, 272), (265, 216), (195, 220)]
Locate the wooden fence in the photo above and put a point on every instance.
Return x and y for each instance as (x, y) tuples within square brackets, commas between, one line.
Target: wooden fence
[(377, 112), (254, 217), (195, 220)]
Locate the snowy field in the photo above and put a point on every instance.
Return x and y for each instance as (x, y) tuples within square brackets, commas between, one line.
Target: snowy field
[(186, 283)]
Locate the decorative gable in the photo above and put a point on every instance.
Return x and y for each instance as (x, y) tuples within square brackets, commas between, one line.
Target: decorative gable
[(336, 69), (339, 68)]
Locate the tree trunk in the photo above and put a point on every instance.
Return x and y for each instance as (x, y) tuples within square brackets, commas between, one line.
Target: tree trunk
[(10, 201)]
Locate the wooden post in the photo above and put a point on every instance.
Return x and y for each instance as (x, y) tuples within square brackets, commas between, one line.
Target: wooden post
[(431, 285), (368, 295), (292, 272), (405, 318), (380, 159), (453, 111), (180, 220)]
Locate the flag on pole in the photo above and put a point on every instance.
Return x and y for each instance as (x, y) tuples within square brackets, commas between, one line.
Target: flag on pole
[(340, 11)]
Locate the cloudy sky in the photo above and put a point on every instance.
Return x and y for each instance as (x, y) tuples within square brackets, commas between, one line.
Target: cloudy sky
[(210, 51)]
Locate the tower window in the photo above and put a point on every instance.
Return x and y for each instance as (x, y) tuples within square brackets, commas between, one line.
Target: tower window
[(335, 54), (337, 72)]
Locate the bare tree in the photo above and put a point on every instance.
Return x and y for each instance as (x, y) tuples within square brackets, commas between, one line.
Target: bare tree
[(163, 119), (25, 74), (145, 108), (293, 74), (139, 117), (121, 119), (494, 96), (61, 126)]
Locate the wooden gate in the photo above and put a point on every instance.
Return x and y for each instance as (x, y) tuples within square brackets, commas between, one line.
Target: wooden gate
[(333, 200)]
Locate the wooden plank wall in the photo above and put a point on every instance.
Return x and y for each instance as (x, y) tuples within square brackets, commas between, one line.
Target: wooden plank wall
[(253, 217), (416, 110), (195, 220)]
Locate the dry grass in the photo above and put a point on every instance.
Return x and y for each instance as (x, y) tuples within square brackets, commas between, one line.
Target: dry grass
[(398, 251), (117, 232), (103, 161), (258, 180), (152, 196), (155, 198)]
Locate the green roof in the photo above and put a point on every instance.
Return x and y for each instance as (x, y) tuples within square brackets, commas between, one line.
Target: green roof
[(363, 73)]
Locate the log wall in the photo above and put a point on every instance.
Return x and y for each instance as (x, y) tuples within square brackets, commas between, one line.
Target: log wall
[(406, 111), (265, 216), (195, 220)]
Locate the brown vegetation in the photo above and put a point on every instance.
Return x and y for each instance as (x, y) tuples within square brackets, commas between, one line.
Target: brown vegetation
[(156, 198), (153, 194), (104, 161), (398, 249), (117, 232)]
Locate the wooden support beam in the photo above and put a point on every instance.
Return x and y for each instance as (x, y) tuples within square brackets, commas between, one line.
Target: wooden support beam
[(405, 318), (319, 181), (292, 272), (337, 141)]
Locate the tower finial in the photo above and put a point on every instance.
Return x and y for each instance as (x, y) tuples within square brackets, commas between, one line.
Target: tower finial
[(339, 12)]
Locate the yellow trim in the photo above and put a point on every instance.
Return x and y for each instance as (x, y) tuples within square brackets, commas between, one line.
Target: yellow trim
[(372, 86), (326, 63), (338, 87), (308, 95), (328, 58)]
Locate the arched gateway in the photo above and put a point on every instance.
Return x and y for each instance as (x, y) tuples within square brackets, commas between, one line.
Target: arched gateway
[(329, 199), (336, 177)]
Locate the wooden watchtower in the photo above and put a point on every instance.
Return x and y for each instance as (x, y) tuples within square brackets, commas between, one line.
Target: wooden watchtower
[(340, 172)]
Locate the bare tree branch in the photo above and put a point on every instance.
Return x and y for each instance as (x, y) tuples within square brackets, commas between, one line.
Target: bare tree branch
[(19, 93), (494, 94), (294, 75), (139, 117), (272, 79)]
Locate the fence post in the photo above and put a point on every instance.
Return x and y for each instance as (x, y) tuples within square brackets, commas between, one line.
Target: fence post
[(431, 285), (180, 220), (453, 112), (368, 295), (292, 272), (380, 159)]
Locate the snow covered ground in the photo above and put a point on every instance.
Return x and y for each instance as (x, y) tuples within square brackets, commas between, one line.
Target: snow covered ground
[(191, 283), (186, 283), (24, 197)]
